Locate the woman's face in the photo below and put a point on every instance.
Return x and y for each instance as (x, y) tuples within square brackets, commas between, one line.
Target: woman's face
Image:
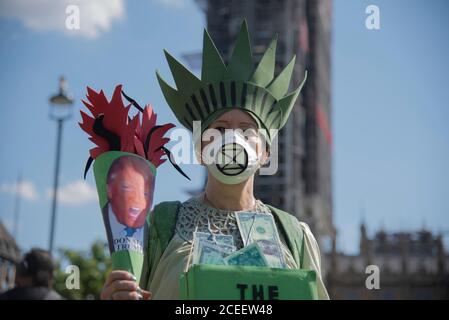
[(238, 119)]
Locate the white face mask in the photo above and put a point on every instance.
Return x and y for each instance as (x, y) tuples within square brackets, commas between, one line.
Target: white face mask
[(231, 159)]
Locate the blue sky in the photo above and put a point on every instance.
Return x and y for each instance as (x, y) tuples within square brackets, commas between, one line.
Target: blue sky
[(390, 100)]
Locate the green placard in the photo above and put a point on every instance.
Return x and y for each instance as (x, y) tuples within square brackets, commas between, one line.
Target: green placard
[(126, 250), (127, 260), (217, 282)]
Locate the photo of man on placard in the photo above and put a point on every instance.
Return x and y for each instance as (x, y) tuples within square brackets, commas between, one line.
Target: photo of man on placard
[(129, 188)]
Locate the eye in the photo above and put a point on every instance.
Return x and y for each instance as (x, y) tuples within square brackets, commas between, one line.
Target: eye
[(221, 129), (126, 187), (251, 132)]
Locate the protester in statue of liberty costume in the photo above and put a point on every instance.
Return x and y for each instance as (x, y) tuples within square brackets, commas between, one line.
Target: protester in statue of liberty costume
[(255, 103)]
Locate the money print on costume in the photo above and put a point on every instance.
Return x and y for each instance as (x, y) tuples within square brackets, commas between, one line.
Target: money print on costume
[(250, 255), (211, 253), (261, 228), (223, 243)]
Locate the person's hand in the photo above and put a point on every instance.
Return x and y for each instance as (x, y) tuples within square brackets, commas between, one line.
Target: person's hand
[(121, 285)]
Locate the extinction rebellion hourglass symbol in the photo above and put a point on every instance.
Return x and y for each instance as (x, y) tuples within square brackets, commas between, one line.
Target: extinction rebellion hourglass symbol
[(232, 159)]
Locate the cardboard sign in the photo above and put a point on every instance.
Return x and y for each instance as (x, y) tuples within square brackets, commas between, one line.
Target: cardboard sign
[(214, 282), (125, 185)]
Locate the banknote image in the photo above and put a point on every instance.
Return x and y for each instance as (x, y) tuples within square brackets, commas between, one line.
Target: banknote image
[(261, 228), (221, 239), (261, 244), (222, 243), (251, 255), (210, 253)]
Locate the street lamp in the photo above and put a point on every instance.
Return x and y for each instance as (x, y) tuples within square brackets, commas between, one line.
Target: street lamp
[(60, 110)]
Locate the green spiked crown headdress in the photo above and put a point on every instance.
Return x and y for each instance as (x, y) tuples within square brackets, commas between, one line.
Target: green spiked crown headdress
[(235, 85)]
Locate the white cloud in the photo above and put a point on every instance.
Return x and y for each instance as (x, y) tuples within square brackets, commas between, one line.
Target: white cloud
[(95, 17), (25, 189), (78, 192)]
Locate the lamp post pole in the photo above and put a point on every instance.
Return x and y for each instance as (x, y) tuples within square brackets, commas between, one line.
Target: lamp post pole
[(60, 110)]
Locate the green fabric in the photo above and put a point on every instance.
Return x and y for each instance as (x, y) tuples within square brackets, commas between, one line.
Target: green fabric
[(162, 223), (236, 85), (165, 221), (161, 227), (293, 236), (210, 282)]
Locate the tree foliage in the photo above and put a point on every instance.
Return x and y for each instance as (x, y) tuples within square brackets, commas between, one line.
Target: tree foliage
[(94, 265)]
